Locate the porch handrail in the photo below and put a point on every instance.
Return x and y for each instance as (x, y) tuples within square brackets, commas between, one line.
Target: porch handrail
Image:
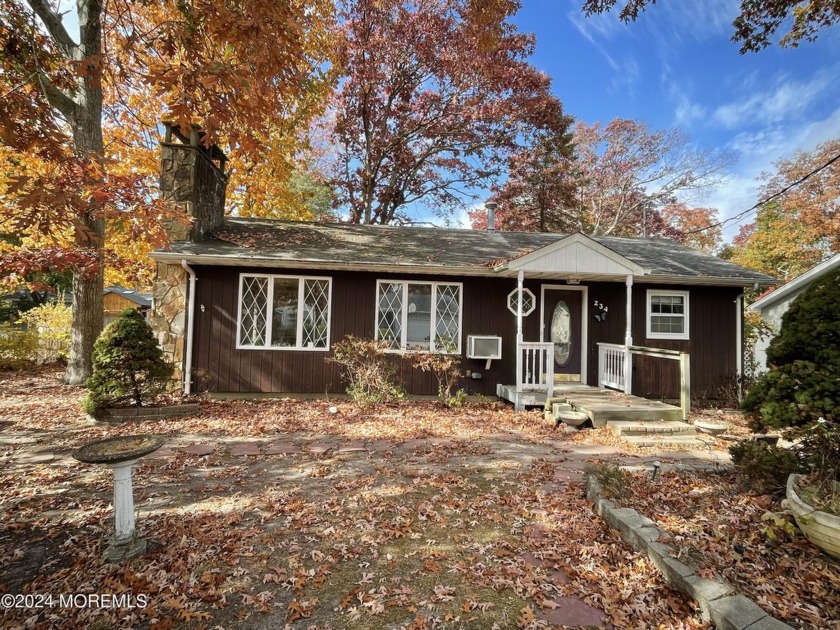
[(615, 357), (537, 367), (613, 366)]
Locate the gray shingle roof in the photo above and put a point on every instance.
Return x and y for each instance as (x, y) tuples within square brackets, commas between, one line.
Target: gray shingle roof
[(287, 243)]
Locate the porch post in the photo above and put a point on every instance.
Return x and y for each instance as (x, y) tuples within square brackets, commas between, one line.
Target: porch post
[(628, 335), (520, 279)]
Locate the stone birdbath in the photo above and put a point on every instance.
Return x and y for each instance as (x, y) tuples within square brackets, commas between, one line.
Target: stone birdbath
[(120, 454)]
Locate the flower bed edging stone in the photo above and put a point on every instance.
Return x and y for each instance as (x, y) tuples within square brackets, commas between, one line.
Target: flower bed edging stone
[(139, 414), (718, 601)]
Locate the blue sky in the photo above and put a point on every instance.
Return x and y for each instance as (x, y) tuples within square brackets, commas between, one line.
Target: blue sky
[(676, 67)]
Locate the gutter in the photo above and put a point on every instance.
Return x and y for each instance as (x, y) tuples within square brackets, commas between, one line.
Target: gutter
[(188, 350)]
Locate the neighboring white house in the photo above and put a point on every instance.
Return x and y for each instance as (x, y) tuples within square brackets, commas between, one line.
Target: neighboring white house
[(772, 306)]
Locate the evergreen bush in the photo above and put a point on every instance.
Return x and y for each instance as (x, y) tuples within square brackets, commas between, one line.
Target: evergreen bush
[(802, 385), (128, 365)]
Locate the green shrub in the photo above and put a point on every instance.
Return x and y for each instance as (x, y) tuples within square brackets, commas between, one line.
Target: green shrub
[(761, 467), (51, 322), (803, 384), (370, 376), (17, 347), (447, 370), (128, 365)]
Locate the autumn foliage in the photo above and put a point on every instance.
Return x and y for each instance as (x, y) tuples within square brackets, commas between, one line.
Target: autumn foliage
[(432, 99)]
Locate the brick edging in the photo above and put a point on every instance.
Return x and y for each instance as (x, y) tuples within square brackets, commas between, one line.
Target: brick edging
[(719, 602)]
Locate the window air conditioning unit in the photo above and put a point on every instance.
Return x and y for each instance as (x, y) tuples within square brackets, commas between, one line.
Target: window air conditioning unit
[(484, 347)]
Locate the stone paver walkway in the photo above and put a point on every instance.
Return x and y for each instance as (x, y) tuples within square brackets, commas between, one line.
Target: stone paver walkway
[(492, 453)]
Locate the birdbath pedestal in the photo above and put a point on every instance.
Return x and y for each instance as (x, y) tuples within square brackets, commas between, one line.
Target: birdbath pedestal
[(120, 454)]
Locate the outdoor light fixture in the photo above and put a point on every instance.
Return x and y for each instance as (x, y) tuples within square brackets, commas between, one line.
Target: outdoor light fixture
[(656, 466), (573, 280)]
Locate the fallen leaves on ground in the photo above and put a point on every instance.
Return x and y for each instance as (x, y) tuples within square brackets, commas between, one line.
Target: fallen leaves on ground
[(456, 521), (749, 541)]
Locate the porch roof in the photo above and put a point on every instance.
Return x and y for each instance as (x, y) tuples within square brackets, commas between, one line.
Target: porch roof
[(285, 244)]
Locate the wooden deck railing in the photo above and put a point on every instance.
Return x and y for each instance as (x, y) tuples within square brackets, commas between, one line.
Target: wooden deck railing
[(536, 372), (615, 368)]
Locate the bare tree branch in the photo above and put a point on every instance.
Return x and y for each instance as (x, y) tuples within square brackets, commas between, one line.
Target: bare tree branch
[(55, 27)]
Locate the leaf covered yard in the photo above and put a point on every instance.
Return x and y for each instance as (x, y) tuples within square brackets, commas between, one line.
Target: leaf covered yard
[(275, 514)]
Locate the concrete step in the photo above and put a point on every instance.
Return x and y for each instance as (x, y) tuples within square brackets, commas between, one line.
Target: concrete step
[(651, 428), (664, 440)]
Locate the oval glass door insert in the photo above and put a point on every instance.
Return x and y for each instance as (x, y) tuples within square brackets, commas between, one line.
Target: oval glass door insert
[(561, 333)]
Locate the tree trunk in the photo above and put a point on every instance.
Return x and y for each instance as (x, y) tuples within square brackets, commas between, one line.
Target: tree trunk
[(86, 122)]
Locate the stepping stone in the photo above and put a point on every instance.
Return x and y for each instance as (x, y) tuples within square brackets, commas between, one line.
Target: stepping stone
[(572, 611), (162, 453), (352, 447), (564, 475), (282, 448), (531, 559), (33, 458), (380, 446), (245, 448), (200, 449), (319, 448)]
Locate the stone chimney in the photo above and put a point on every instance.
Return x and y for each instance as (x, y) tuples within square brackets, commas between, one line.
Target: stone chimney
[(193, 178)]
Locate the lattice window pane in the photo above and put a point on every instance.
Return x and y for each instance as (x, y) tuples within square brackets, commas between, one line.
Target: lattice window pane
[(389, 316), (284, 313), (316, 302), (252, 326), (448, 308)]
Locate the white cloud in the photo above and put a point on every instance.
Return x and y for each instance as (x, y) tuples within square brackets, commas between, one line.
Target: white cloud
[(759, 150), (788, 99)]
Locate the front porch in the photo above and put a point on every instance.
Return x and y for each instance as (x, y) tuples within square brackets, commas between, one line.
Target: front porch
[(603, 406), (584, 314)]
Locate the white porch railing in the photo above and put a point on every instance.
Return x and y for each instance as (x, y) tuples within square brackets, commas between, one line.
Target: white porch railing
[(615, 368), (536, 367), (613, 361)]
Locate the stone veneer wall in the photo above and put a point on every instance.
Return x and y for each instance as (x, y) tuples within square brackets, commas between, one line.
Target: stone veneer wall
[(190, 180), (168, 318)]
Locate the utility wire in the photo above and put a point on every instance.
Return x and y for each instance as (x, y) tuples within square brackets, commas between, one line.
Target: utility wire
[(743, 214)]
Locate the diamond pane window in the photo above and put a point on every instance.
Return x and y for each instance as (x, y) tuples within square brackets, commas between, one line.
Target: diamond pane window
[(419, 316), (389, 315), (529, 302), (284, 312), (252, 316), (316, 313), (448, 318), (667, 314)]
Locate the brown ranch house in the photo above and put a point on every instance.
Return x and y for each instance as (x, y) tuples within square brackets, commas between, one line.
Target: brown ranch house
[(254, 306)]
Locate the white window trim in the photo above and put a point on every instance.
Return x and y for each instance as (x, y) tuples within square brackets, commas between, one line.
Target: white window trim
[(433, 316), (298, 347), (686, 303)]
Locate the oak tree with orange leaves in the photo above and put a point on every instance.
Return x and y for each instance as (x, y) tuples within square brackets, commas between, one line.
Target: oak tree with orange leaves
[(433, 97), (232, 67)]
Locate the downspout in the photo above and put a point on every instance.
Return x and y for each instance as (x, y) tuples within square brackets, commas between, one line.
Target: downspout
[(188, 351), (739, 345)]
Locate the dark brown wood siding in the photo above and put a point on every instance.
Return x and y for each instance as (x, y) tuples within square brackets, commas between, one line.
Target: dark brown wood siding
[(220, 367), (711, 344)]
